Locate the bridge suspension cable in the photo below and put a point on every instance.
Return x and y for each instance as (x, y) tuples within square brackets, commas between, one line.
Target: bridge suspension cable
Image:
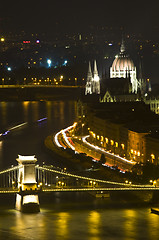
[(91, 179), (9, 169)]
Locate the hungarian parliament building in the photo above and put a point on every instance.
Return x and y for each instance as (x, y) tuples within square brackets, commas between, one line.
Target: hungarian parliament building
[(123, 85)]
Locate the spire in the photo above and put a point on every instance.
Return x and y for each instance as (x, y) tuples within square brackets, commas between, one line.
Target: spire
[(95, 69), (96, 80), (88, 89), (95, 72), (89, 74), (122, 47), (89, 67)]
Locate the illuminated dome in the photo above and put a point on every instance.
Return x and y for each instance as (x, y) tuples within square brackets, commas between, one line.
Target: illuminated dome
[(123, 67), (122, 62)]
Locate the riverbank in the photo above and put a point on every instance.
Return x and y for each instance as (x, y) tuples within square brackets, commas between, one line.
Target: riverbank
[(85, 163), (66, 158), (37, 93)]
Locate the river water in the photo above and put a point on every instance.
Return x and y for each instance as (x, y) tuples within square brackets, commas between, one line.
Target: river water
[(63, 216)]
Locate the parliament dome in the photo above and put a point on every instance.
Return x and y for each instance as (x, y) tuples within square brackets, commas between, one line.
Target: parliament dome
[(122, 62), (123, 67)]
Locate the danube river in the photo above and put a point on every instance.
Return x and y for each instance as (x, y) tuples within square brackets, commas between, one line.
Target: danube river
[(63, 216)]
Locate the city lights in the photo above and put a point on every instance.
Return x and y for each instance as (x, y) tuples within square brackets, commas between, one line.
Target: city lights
[(49, 62), (65, 63)]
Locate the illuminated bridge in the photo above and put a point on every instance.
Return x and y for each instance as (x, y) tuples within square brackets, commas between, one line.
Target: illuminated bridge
[(27, 179), (48, 179)]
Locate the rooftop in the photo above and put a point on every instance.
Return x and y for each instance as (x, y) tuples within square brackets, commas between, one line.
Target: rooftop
[(136, 116)]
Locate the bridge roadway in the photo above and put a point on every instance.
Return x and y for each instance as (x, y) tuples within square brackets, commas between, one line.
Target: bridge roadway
[(82, 189), (98, 189)]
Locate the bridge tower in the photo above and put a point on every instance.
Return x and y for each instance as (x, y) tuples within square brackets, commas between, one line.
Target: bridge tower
[(27, 199)]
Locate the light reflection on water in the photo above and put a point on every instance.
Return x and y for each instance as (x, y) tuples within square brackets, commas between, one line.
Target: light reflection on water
[(3, 107), (1, 149), (62, 225), (130, 224), (17, 112), (25, 110), (113, 224), (94, 224)]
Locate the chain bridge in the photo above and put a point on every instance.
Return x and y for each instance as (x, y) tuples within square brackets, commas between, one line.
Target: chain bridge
[(27, 179)]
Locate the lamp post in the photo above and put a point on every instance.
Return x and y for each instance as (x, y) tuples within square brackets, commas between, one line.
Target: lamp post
[(2, 81), (24, 81)]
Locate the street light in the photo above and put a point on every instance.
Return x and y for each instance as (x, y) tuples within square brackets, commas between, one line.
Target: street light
[(154, 183), (2, 39), (62, 184)]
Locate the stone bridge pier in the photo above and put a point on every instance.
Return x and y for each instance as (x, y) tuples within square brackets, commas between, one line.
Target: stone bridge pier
[(27, 199)]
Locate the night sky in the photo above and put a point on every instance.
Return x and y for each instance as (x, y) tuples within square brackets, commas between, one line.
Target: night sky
[(68, 15)]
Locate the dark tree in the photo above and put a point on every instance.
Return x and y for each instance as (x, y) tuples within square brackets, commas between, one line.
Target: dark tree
[(102, 159)]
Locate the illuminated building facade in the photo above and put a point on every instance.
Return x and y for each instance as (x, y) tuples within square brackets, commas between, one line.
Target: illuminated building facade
[(93, 80), (153, 102), (137, 145), (124, 128)]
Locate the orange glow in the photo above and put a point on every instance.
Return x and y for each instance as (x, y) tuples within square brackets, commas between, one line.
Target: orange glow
[(123, 146), (153, 156), (112, 142)]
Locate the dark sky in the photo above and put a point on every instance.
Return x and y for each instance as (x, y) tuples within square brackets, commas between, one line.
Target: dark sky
[(76, 15)]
